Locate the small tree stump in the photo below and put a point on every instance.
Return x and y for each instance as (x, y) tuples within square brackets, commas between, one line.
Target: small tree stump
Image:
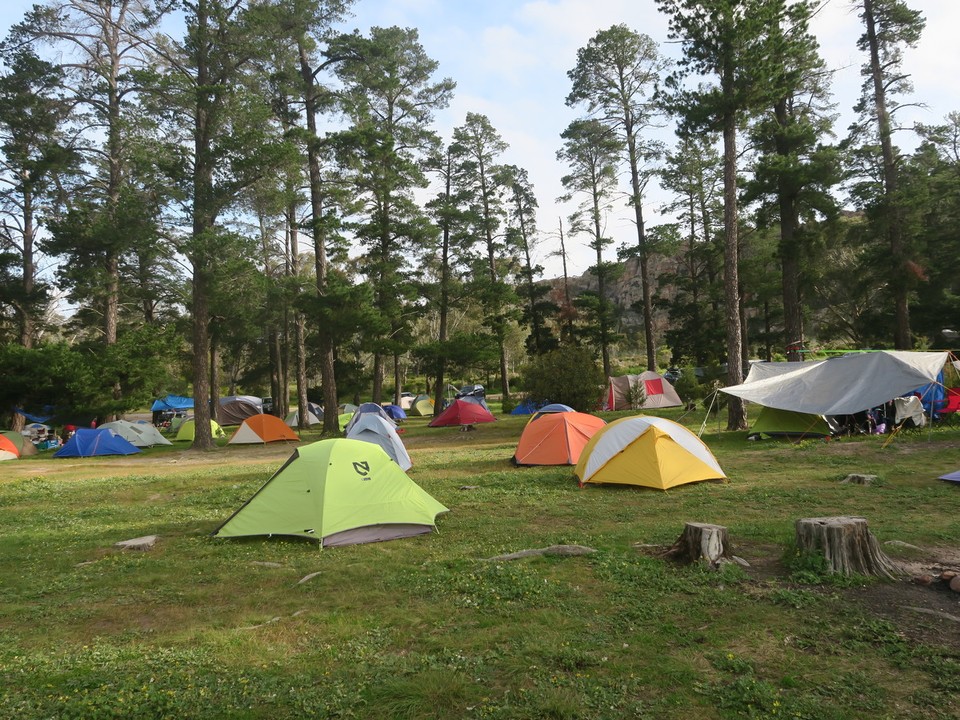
[(701, 542), (847, 545)]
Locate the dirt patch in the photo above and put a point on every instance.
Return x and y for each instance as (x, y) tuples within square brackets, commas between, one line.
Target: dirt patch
[(928, 614), (163, 461)]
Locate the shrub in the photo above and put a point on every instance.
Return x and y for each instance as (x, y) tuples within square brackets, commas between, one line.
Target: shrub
[(568, 375), (687, 386)]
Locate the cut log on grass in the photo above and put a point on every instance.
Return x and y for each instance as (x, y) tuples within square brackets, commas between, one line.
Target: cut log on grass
[(847, 545), (701, 542)]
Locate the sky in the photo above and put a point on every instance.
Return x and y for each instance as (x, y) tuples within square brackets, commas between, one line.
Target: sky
[(509, 59)]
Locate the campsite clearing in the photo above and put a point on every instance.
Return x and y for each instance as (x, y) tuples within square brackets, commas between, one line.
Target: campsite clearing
[(429, 627)]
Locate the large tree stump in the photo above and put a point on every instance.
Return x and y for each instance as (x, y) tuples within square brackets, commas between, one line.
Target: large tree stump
[(847, 545), (701, 542)]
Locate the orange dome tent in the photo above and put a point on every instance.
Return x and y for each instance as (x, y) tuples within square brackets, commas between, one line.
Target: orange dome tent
[(556, 439), (262, 429)]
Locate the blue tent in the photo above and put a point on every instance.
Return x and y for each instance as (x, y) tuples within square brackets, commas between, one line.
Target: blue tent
[(951, 477), (172, 402), (527, 407), (395, 411), (87, 442), (933, 396)]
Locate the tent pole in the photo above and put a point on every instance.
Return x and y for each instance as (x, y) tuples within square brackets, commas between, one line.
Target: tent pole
[(706, 418)]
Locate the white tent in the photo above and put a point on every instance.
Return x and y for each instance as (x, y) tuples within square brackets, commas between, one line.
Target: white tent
[(368, 408), (314, 416), (370, 427), (845, 385), (137, 434)]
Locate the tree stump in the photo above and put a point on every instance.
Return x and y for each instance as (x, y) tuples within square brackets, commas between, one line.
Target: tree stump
[(847, 545), (701, 542)]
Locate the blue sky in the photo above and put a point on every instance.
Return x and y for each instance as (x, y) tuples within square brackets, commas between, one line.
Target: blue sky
[(509, 59)]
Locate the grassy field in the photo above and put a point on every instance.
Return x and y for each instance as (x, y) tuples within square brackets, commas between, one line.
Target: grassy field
[(429, 627)]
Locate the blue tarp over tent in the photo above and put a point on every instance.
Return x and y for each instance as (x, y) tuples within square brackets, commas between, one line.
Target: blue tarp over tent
[(88, 442), (37, 418), (172, 402)]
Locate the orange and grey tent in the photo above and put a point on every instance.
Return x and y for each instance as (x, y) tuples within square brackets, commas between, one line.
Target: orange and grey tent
[(556, 439), (8, 451), (262, 429), (24, 445), (648, 451)]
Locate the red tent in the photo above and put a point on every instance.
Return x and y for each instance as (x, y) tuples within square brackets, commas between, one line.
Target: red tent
[(462, 413)]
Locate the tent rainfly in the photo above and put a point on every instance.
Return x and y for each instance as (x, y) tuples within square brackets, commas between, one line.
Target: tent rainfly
[(370, 427), (262, 429), (88, 442), (368, 408), (551, 408), (339, 492), (623, 392), (137, 434), (647, 451), (188, 430), (787, 423), (234, 409), (8, 451), (314, 416), (421, 406), (461, 412), (23, 444), (556, 439)]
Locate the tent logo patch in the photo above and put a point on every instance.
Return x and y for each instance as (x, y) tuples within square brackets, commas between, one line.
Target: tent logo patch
[(362, 469)]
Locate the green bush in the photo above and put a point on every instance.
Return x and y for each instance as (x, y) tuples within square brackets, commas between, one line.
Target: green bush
[(568, 375), (687, 386)]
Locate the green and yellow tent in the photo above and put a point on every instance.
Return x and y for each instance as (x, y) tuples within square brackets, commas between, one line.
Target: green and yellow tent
[(338, 492), (188, 430)]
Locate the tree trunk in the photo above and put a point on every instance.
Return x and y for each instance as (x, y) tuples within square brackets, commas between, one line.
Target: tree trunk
[(214, 377), (899, 275), (444, 309), (637, 202), (327, 373), (701, 542), (378, 370), (202, 439), (789, 252), (847, 545), (736, 410)]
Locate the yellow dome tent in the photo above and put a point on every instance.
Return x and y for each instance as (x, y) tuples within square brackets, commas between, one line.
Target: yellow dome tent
[(646, 451)]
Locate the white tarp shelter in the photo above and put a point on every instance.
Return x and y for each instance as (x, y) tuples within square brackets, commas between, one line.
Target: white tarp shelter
[(763, 370), (845, 385)]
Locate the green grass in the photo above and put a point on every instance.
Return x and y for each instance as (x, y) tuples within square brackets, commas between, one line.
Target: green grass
[(430, 627)]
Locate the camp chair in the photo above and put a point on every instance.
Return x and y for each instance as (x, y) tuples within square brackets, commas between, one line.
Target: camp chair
[(950, 411)]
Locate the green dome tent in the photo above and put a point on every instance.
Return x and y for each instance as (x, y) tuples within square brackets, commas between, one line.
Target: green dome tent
[(339, 492), (187, 430)]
